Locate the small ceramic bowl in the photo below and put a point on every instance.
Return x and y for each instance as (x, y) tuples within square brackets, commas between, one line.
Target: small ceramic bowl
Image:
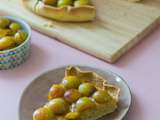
[(14, 57)]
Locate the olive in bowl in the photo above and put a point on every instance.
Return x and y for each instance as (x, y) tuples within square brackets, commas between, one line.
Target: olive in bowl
[(14, 42)]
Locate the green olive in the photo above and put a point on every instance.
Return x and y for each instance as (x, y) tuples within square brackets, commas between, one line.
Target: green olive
[(78, 3), (15, 26), (20, 37), (50, 2), (43, 114), (4, 23), (63, 3), (7, 42)]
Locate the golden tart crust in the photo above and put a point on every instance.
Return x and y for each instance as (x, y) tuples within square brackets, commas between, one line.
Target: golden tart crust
[(65, 14)]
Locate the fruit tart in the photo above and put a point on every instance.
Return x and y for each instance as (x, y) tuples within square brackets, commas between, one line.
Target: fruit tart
[(81, 95), (63, 10), (134, 0)]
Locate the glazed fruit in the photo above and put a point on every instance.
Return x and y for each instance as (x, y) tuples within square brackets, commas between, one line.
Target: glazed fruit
[(15, 27), (63, 3), (71, 82), (56, 91), (72, 116), (86, 89), (84, 103), (101, 96), (43, 114), (4, 23), (20, 37), (7, 42), (50, 2), (72, 95), (58, 105), (78, 3)]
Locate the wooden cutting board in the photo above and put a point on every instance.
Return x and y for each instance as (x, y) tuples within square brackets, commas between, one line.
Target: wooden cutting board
[(119, 26), (153, 3)]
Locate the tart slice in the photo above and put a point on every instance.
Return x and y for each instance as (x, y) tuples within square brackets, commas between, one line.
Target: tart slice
[(81, 95), (63, 10)]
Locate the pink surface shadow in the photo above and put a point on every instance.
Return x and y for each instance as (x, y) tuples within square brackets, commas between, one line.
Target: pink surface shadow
[(135, 110)]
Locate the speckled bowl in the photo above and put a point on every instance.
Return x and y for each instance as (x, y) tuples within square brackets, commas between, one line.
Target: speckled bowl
[(14, 57)]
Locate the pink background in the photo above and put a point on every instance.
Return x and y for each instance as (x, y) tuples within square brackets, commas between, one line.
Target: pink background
[(140, 67)]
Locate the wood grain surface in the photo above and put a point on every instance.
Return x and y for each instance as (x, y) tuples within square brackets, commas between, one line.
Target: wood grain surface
[(119, 26), (152, 3)]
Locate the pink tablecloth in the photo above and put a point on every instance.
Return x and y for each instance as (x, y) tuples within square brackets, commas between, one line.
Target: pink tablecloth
[(140, 68)]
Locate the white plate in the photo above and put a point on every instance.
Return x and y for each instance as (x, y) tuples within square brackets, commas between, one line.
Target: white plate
[(35, 95)]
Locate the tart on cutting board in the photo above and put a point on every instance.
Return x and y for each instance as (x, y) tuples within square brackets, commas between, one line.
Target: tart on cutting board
[(134, 0), (81, 95), (63, 10)]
